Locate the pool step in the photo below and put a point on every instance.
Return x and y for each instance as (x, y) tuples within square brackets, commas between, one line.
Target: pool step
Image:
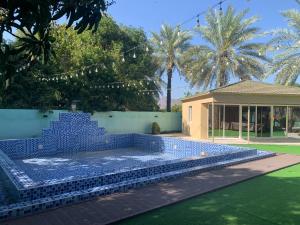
[(30, 207)]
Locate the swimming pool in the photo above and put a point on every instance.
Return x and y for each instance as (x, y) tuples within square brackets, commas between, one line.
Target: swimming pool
[(75, 160)]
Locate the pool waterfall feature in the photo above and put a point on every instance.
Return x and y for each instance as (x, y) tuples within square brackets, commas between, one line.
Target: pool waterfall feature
[(74, 160)]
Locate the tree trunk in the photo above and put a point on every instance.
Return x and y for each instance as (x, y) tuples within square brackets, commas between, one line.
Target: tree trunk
[(169, 86)]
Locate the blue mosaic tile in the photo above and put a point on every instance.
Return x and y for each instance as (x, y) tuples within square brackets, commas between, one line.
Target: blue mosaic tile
[(75, 160)]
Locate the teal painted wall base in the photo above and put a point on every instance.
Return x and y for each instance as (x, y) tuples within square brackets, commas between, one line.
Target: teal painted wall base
[(25, 123)]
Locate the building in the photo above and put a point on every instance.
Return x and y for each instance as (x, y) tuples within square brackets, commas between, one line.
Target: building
[(244, 110)]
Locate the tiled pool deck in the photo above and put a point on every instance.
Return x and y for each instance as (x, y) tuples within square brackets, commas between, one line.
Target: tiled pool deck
[(108, 209)]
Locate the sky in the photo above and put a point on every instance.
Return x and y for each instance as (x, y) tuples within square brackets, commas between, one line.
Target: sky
[(150, 14)]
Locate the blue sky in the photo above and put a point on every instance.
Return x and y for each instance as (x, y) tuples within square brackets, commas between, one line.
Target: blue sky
[(150, 14)]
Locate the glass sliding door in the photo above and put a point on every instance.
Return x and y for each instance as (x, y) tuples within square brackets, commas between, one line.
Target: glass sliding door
[(216, 120), (219, 118), (263, 121), (279, 121), (209, 120), (252, 121), (294, 121), (231, 124)]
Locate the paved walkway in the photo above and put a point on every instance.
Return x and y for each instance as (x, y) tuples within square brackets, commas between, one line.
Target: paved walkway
[(105, 210)]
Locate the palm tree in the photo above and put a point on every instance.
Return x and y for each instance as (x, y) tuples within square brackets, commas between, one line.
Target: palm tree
[(286, 64), (169, 46), (229, 52)]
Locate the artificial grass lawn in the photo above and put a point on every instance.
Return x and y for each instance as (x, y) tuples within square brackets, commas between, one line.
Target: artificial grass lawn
[(270, 199), (295, 150), (235, 133)]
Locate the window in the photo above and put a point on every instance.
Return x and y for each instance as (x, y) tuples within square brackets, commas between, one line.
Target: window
[(190, 113)]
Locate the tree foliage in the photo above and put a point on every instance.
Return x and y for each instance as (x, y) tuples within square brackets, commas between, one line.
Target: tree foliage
[(229, 52), (33, 20), (71, 77), (169, 46), (286, 43)]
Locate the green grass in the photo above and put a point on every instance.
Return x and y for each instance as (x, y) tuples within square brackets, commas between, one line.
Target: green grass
[(235, 133), (270, 199), (295, 150)]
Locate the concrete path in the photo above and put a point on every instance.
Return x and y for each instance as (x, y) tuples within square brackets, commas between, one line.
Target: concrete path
[(105, 210)]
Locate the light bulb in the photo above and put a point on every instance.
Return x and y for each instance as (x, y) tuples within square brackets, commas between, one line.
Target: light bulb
[(134, 55)]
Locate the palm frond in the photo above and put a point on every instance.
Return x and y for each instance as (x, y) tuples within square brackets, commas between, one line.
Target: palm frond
[(286, 43), (229, 53)]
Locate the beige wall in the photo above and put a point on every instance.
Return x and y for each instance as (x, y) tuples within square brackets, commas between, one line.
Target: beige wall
[(197, 128)]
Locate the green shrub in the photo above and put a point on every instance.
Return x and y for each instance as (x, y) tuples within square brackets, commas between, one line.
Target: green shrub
[(155, 128)]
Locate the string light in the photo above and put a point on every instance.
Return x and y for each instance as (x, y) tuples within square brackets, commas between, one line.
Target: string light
[(198, 21), (197, 16), (134, 56), (220, 8)]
